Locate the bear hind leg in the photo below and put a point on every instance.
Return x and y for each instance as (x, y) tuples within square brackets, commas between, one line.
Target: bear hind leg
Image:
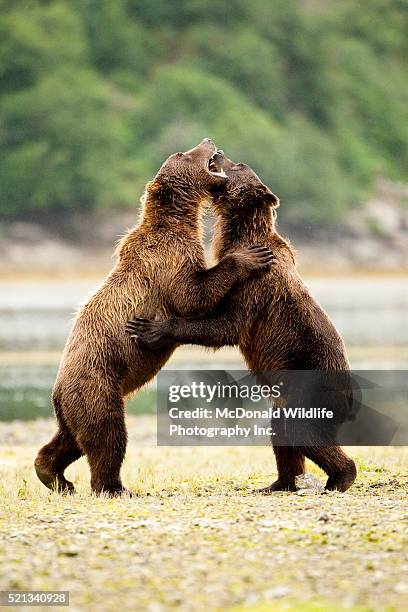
[(104, 445), (290, 462), (54, 458), (340, 468)]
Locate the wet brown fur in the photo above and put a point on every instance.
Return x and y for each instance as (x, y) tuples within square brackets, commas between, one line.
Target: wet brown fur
[(160, 269), (274, 319)]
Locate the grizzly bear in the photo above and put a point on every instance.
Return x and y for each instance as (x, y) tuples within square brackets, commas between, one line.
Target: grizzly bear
[(160, 269), (274, 319)]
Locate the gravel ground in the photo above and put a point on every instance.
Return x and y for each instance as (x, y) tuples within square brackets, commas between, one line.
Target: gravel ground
[(195, 537)]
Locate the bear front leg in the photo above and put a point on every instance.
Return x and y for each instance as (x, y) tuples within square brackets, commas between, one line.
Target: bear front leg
[(217, 331), (198, 292)]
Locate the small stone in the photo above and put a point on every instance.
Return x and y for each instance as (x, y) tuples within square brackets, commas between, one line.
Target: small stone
[(324, 517), (308, 481), (69, 552), (276, 592)]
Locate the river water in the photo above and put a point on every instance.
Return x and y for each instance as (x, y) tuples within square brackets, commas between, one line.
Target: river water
[(370, 312)]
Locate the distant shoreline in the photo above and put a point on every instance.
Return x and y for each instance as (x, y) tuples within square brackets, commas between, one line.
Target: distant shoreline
[(371, 240), (97, 274)]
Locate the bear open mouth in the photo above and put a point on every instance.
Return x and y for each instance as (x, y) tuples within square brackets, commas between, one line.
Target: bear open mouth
[(215, 164)]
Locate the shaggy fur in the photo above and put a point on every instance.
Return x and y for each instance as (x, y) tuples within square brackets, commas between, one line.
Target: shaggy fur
[(274, 319), (160, 269)]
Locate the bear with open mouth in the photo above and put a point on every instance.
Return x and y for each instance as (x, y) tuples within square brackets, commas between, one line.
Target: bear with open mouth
[(161, 269), (273, 318)]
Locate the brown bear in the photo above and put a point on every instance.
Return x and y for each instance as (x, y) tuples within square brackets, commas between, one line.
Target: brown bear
[(274, 319), (160, 269)]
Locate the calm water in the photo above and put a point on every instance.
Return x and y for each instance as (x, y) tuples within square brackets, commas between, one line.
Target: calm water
[(35, 317)]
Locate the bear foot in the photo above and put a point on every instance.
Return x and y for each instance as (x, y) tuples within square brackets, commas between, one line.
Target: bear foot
[(112, 491), (276, 486), (53, 481), (340, 482)]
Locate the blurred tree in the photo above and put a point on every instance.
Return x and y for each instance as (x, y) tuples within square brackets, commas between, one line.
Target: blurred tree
[(37, 37), (242, 57), (308, 175), (94, 94), (115, 42), (66, 145)]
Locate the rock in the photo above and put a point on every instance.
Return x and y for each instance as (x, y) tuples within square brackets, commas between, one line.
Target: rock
[(276, 592), (308, 482), (69, 552)]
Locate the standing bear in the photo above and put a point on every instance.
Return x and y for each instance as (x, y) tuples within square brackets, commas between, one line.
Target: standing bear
[(160, 269), (274, 319)]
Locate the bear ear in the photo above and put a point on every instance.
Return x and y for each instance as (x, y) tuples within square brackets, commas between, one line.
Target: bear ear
[(160, 189), (268, 197)]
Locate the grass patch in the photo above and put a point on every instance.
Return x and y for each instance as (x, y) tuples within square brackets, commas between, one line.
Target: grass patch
[(196, 537)]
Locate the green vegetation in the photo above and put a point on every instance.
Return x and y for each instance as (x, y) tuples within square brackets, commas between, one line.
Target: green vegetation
[(25, 394), (32, 403), (95, 93)]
